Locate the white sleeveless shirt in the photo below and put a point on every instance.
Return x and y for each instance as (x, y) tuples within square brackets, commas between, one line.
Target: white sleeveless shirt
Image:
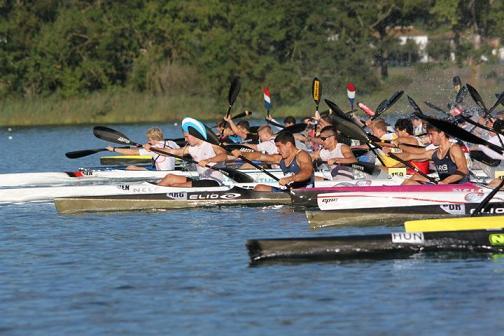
[(162, 162), (336, 153), (205, 151)]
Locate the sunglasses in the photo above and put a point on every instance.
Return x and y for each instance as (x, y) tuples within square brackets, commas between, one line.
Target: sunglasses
[(324, 138)]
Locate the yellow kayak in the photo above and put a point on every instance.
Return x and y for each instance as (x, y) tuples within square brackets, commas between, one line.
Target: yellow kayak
[(455, 224), (125, 159)]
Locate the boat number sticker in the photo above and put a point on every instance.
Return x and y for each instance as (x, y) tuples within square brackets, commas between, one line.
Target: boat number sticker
[(401, 172), (453, 209), (177, 195), (496, 239), (407, 237)]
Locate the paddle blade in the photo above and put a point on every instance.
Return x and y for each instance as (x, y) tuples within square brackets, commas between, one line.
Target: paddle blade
[(500, 100), (348, 127), (459, 98), (381, 107), (234, 90), (245, 113), (237, 175), (316, 90), (476, 97), (393, 99), (337, 111), (434, 107), (274, 123), (82, 153), (366, 109), (111, 135), (296, 128), (415, 106), (458, 132)]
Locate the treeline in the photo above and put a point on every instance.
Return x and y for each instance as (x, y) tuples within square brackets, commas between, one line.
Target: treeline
[(71, 48)]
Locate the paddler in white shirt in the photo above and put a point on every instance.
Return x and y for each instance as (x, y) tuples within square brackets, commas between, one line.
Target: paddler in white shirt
[(155, 139), (202, 152), (335, 154)]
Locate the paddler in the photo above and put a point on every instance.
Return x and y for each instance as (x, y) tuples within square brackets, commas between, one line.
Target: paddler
[(155, 139), (202, 152), (335, 154), (448, 158), (295, 163)]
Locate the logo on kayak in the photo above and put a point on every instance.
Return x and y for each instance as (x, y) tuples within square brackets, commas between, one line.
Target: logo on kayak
[(207, 196), (474, 197), (491, 211), (454, 209), (133, 189), (496, 239), (407, 237), (328, 200), (177, 195)]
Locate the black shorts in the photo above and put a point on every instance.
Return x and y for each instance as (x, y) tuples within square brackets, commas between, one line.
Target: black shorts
[(204, 183)]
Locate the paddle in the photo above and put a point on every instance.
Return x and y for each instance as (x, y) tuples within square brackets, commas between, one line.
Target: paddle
[(477, 98), (234, 89), (387, 104), (114, 136), (452, 129), (86, 152), (356, 132), (316, 94)]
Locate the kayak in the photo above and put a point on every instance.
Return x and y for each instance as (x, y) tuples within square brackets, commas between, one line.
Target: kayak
[(100, 175), (176, 198), (393, 216), (377, 246), (373, 196)]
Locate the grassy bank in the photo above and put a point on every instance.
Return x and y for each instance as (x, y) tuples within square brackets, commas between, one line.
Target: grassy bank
[(430, 82)]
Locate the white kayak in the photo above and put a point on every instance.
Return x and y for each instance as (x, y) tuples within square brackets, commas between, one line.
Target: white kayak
[(91, 176), (45, 194)]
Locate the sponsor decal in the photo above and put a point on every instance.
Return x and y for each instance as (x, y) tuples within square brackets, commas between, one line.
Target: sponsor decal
[(453, 209), (407, 237), (474, 197), (142, 190), (329, 200), (496, 239), (124, 186), (177, 195), (491, 211), (206, 196), (364, 183)]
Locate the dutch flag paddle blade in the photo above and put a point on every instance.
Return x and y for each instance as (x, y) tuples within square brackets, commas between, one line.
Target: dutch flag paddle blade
[(267, 99), (351, 94)]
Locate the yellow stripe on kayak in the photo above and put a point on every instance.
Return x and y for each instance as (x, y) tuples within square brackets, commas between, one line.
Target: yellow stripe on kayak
[(455, 224)]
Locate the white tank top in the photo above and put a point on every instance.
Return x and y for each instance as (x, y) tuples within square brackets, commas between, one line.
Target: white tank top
[(336, 153), (162, 162), (205, 151)]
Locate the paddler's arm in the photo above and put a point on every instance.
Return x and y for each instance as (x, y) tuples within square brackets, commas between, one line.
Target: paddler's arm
[(235, 128), (305, 164), (258, 156), (457, 155), (220, 155), (124, 151), (174, 151), (348, 156), (422, 156)]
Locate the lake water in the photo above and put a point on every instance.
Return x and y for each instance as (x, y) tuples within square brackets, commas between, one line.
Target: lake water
[(186, 272)]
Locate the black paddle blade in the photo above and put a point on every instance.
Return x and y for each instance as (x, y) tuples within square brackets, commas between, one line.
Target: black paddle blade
[(347, 127), (234, 90), (459, 98), (111, 135), (434, 107), (337, 111), (211, 136), (316, 90), (366, 167), (242, 114), (415, 106), (457, 132), (476, 97), (240, 147), (500, 100), (237, 175), (296, 128), (82, 153), (394, 98), (498, 94), (381, 107)]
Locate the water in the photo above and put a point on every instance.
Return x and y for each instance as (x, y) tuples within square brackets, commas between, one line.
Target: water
[(186, 272)]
